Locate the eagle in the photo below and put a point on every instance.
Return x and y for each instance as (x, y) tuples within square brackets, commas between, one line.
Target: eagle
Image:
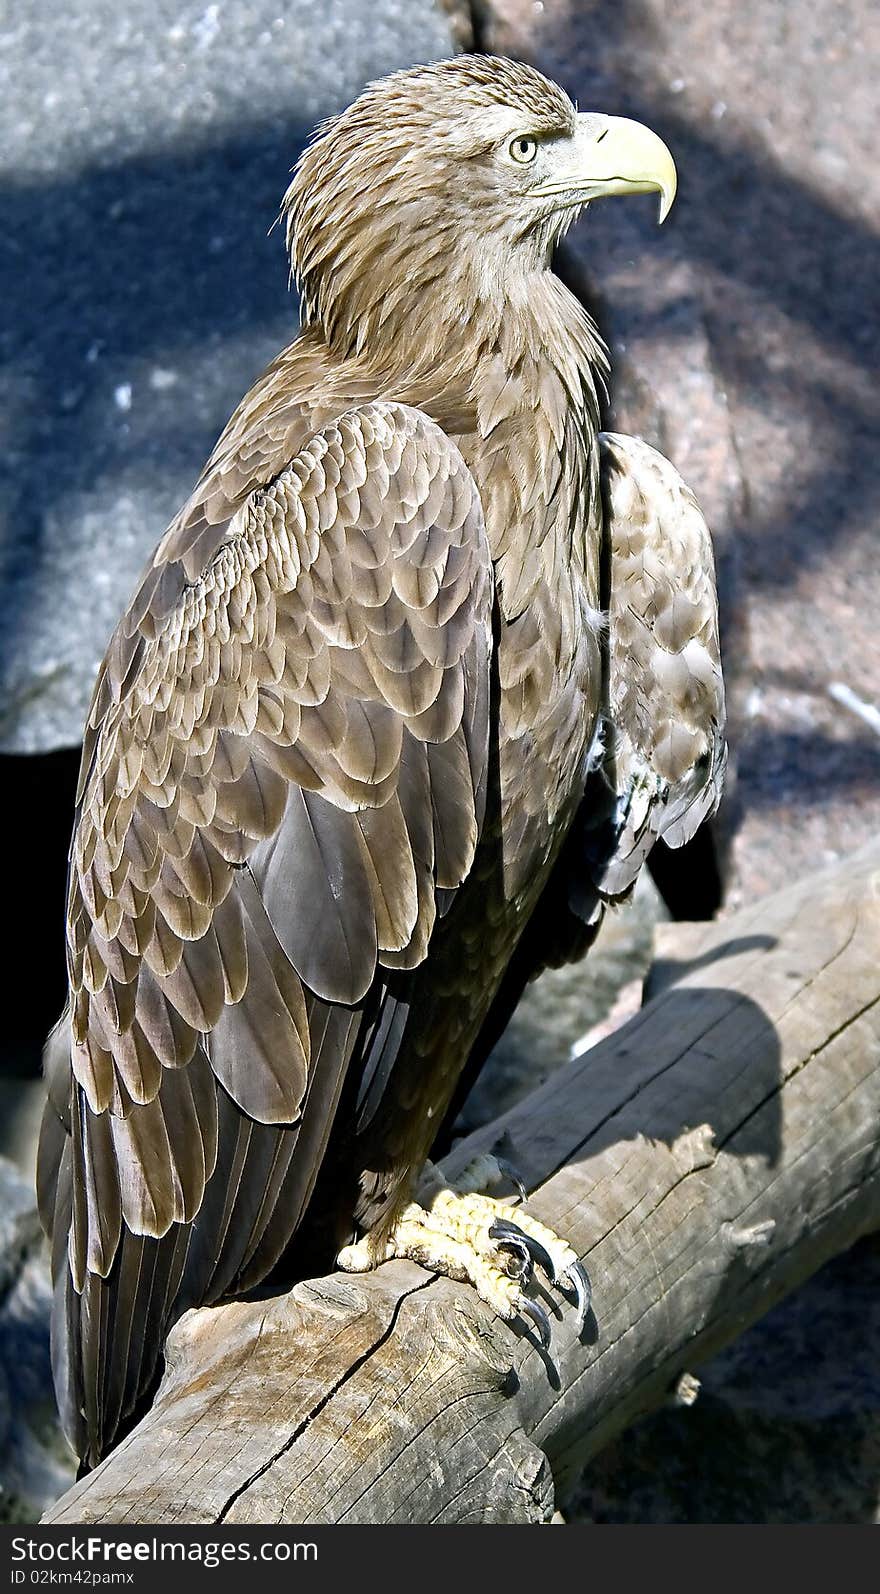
[(407, 692)]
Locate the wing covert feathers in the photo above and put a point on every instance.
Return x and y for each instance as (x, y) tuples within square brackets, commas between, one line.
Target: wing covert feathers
[(286, 757), (665, 694)]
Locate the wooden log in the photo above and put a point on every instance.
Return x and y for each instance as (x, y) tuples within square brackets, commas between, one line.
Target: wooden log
[(704, 1160)]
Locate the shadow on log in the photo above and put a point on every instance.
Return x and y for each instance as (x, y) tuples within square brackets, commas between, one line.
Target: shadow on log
[(704, 1160)]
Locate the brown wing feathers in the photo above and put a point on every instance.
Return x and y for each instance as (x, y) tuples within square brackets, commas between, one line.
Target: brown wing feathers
[(281, 772), (666, 753)]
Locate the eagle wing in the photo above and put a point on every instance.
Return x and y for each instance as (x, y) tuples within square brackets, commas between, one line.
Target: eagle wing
[(662, 766), (278, 795)]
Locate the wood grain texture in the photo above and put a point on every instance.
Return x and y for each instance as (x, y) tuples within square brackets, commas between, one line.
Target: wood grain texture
[(704, 1160)]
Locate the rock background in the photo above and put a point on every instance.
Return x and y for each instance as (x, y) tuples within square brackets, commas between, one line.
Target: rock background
[(143, 156), (35, 1465), (745, 339)]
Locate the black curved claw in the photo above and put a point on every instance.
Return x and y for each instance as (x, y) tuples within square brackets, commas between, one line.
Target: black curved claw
[(540, 1319), (579, 1279), (510, 1173), (516, 1243), (509, 1234)]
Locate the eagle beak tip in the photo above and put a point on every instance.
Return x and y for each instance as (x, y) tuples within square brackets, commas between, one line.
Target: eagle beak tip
[(667, 197), (619, 156)]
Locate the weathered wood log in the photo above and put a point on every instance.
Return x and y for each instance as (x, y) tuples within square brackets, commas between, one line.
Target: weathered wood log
[(705, 1159)]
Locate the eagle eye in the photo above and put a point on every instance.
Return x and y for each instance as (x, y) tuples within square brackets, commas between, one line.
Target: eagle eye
[(523, 149)]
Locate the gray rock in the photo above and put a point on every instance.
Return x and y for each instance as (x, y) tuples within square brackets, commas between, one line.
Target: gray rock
[(20, 1230), (35, 1463), (144, 151), (21, 1109)]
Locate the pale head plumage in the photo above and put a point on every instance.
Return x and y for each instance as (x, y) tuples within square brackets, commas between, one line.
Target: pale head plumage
[(417, 186)]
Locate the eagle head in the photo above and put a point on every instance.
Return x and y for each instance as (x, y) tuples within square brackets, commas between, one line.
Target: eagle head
[(450, 182)]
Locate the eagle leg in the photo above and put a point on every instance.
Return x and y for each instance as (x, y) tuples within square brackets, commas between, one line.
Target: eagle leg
[(455, 1229)]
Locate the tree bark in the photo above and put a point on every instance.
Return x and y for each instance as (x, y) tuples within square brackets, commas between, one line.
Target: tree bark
[(704, 1160)]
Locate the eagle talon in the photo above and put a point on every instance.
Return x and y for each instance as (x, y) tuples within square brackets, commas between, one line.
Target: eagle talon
[(510, 1173), (538, 1316), (519, 1262), (470, 1236), (578, 1279), (509, 1234)]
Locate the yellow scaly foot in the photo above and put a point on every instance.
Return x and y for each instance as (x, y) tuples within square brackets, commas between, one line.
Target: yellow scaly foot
[(455, 1229)]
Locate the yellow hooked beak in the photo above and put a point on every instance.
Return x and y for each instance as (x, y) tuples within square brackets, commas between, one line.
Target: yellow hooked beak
[(612, 155)]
